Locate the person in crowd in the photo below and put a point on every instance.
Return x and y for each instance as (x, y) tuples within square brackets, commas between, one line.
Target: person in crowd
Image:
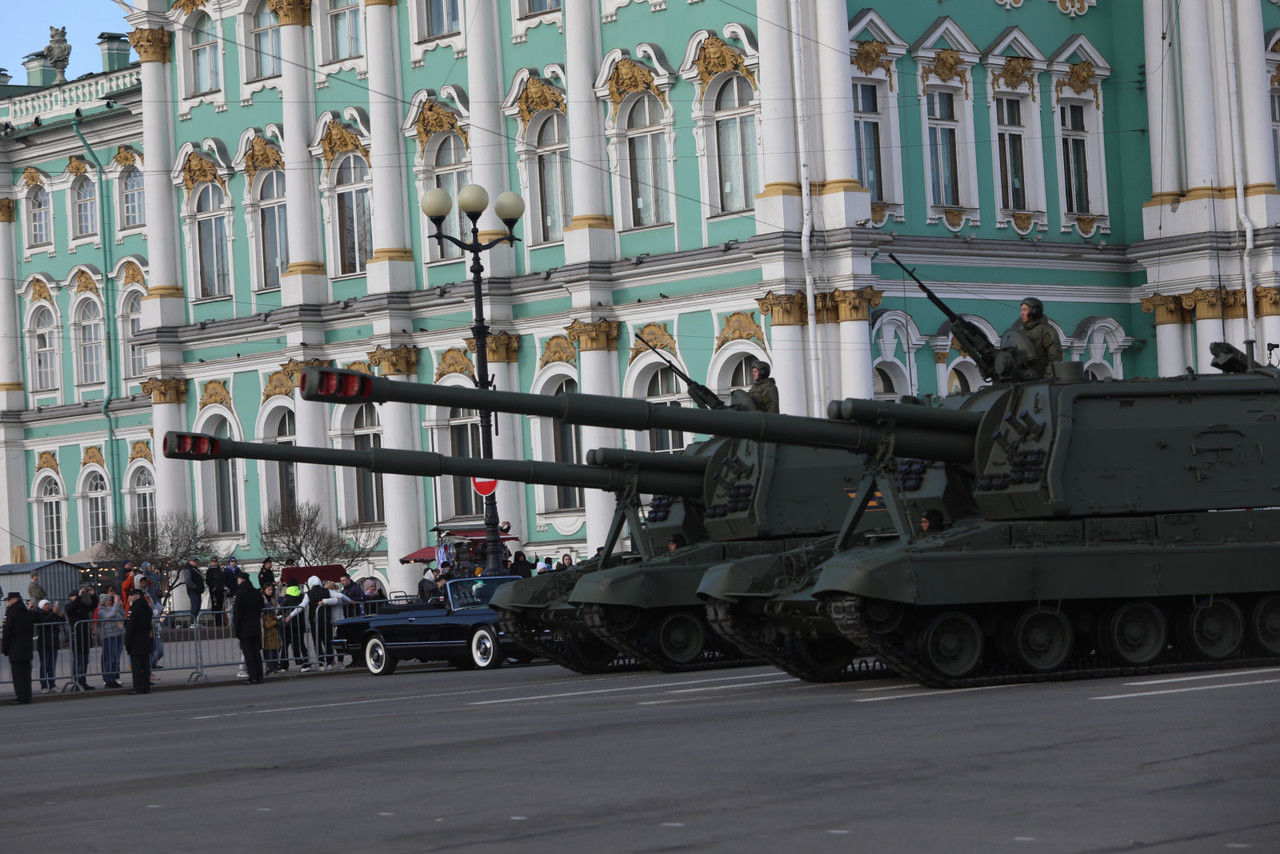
[(373, 596), (246, 621), (35, 592), (427, 584), (446, 570), (49, 626), (144, 584), (520, 566), (317, 605), (294, 635), (232, 575), (126, 569), (931, 522), (79, 610), (217, 584), (16, 643), (438, 597), (128, 578), (137, 641), (676, 541), (193, 579), (566, 561), (275, 658), (111, 629), (353, 592), (266, 574)]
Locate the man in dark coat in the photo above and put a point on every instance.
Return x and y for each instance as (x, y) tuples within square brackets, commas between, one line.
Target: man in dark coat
[(16, 643), (137, 641), (246, 620), (217, 584), (80, 609)]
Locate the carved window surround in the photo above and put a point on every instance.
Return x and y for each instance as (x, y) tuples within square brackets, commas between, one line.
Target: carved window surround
[(1077, 71), (431, 117), (60, 186), (1014, 67), (522, 20), (125, 157), (32, 177), (420, 44), (949, 70), (250, 84), (874, 51), (181, 34), (531, 101), (194, 167), (609, 8), (321, 25), (256, 155), (349, 135)]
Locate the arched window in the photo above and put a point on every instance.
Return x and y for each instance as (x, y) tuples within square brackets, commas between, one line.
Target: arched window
[(204, 55), (211, 242), (89, 352), (368, 435), (44, 349), (664, 388), (647, 162), (85, 204), (131, 322), (464, 441), (882, 385), (224, 514), (50, 501), (355, 243), (143, 488), (265, 37), (451, 174), (344, 29), (736, 144), (40, 227), (132, 198), (286, 433), (553, 178), (273, 236), (97, 527), (957, 382), (741, 376), (567, 448)]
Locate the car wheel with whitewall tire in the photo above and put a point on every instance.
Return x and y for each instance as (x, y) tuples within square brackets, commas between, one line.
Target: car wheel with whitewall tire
[(377, 659), (483, 652)]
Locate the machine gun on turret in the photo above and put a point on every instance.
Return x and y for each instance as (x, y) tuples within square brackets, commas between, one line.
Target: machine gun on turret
[(703, 396)]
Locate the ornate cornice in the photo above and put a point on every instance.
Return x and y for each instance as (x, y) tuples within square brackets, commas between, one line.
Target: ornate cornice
[(433, 118), (291, 12), (140, 450), (399, 361), (537, 95), (215, 392), (499, 347), (739, 326), (657, 336), (872, 55), (597, 335), (1167, 309), (784, 309), (628, 78), (340, 139), (7, 210), (454, 361), (557, 348), (715, 56), (152, 45), (197, 170), (1267, 301), (47, 460), (93, 457)]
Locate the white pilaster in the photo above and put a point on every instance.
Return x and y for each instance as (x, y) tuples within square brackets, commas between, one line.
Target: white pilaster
[(1208, 330), (844, 201), (314, 483), (1164, 136), (1171, 349), (11, 395), (1197, 96), (306, 279), (1255, 114), (778, 203), (173, 477), (590, 235), (786, 347), (598, 374), (13, 493), (402, 496), (488, 138), (507, 445)]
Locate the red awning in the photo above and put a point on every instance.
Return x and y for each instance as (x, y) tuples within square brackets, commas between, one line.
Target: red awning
[(422, 555)]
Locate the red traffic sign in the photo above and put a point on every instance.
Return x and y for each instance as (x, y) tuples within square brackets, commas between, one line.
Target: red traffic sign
[(483, 486)]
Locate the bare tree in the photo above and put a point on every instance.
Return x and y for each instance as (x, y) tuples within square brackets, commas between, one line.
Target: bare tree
[(299, 535), (166, 545)]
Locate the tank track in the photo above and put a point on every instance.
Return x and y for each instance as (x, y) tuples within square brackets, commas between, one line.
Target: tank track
[(721, 615), (558, 650), (848, 614), (597, 619)]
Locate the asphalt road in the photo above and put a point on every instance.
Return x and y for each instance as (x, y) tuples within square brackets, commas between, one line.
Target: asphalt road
[(537, 759)]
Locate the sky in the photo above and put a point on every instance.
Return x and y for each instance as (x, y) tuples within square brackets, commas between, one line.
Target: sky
[(28, 31)]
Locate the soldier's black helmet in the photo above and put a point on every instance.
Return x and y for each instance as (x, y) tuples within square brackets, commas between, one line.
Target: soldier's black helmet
[(1035, 308), (762, 367)]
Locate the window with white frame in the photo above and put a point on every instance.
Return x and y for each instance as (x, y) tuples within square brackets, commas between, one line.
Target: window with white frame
[(537, 7), (1010, 135), (39, 217), (740, 378), (96, 517), (44, 350), (647, 162), (882, 384), (273, 236), (89, 328), (664, 389), (264, 38), (867, 120), (367, 435), (132, 209), (566, 447), (344, 30), (135, 362), (464, 441), (286, 433), (552, 156), (212, 266), (205, 66), (1075, 157), (440, 18), (223, 514), (355, 241), (51, 526), (142, 486), (84, 208), (451, 173), (735, 126), (943, 132)]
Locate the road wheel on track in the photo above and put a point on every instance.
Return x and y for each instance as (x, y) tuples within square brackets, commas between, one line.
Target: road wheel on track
[(883, 617), (1215, 628), (1134, 633), (590, 654), (1040, 640), (482, 650), (951, 644), (681, 637), (1264, 625), (827, 657), (377, 660)]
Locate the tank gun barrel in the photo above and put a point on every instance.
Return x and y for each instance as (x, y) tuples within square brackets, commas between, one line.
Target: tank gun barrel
[(333, 385), (201, 446), (618, 458), (926, 417)]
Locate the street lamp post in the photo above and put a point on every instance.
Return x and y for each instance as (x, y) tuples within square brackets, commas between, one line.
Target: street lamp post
[(472, 201)]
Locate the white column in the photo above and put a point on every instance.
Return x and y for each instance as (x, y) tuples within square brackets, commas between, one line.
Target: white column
[(1208, 330), (788, 315), (507, 444), (854, 315), (168, 412), (13, 493), (487, 137), (1170, 355), (1269, 326), (1162, 108), (1197, 97), (314, 483), (598, 374), (401, 496), (940, 371), (1255, 112), (778, 204), (305, 280), (391, 267), (11, 394), (590, 234), (844, 201)]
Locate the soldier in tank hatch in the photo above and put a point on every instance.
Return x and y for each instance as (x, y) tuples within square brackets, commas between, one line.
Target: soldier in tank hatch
[(1037, 328), (763, 391)]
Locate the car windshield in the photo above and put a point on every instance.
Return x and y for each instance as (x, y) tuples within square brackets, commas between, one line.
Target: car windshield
[(466, 592)]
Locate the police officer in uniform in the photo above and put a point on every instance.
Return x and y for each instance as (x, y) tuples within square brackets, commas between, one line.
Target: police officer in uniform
[(763, 391), (1036, 327)]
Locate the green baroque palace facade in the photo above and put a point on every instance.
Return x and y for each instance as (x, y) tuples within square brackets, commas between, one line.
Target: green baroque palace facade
[(235, 197)]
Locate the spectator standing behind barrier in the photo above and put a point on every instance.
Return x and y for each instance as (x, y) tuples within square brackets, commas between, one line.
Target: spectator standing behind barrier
[(16, 643), (353, 592), (111, 628), (217, 584), (232, 576), (193, 580), (79, 611), (318, 603), (137, 641), (128, 580), (34, 591), (144, 584), (49, 623), (273, 654), (427, 584), (266, 574), (521, 566), (246, 621), (294, 634)]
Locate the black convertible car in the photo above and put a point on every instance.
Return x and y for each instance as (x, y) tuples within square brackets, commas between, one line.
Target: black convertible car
[(459, 627)]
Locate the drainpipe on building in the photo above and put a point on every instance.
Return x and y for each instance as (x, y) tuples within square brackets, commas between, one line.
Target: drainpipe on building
[(1237, 154), (108, 323), (817, 409)]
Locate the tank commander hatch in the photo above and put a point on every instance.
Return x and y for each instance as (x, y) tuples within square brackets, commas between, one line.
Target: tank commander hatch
[(1037, 328)]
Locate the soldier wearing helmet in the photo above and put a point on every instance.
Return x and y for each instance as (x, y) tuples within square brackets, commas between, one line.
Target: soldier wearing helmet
[(1037, 328), (763, 391)]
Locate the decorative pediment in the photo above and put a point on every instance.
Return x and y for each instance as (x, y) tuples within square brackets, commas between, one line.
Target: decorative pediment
[(140, 450), (657, 336), (31, 176), (76, 165), (131, 274), (186, 7), (454, 361), (197, 170), (261, 155), (361, 366), (1077, 65), (40, 291), (535, 96), (434, 117), (557, 348), (1014, 61), (47, 460), (630, 78), (126, 156), (945, 54), (277, 384), (93, 457), (739, 326), (85, 283), (340, 139), (215, 392), (709, 55)]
